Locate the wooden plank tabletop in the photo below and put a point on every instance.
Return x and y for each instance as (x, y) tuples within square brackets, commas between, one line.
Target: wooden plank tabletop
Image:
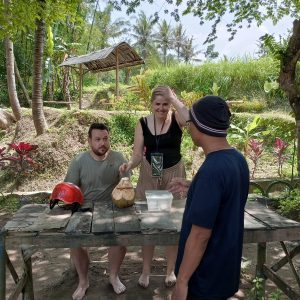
[(102, 218), (261, 223), (24, 218), (267, 216)]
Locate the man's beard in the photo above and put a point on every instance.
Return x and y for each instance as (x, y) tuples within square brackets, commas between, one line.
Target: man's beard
[(100, 152)]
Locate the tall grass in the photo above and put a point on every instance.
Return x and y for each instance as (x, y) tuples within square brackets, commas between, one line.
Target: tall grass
[(237, 79)]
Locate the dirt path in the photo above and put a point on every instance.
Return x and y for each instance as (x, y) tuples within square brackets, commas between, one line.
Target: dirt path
[(54, 277)]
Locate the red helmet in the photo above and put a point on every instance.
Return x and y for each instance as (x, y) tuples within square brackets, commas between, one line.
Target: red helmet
[(67, 192)]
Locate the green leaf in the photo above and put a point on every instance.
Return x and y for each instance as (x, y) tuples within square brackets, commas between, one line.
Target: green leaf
[(267, 87), (253, 124)]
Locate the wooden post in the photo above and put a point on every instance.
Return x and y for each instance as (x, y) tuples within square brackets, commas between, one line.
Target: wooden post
[(261, 260), (28, 293), (80, 85), (2, 266), (117, 74)]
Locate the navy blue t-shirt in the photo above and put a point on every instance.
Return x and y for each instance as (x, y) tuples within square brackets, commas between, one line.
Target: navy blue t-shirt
[(216, 200)]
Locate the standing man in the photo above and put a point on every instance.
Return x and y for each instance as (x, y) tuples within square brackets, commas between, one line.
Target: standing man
[(211, 240), (96, 172)]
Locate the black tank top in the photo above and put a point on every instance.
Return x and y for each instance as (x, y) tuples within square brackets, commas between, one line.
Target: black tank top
[(168, 143)]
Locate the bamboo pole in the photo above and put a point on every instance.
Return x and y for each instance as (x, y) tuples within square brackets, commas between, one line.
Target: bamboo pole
[(117, 74), (80, 85)]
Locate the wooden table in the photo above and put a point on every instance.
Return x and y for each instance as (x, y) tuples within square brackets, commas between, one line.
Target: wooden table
[(35, 227)]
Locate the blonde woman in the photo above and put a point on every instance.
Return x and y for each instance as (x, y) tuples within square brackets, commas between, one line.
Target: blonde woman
[(156, 149)]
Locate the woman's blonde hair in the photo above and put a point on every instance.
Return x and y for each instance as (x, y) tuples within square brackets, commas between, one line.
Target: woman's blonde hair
[(156, 92)]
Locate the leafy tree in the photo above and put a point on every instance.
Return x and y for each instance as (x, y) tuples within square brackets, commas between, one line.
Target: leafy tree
[(210, 52), (25, 15)]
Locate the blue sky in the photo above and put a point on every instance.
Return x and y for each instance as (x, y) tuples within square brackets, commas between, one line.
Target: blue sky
[(244, 43)]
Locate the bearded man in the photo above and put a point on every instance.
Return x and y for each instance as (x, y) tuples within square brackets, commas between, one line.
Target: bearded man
[(96, 172)]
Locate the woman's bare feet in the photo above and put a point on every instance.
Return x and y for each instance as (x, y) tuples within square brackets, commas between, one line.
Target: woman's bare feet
[(170, 280), (80, 292), (144, 280), (117, 285)]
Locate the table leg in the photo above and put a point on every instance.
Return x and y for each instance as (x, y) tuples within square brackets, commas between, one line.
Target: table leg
[(261, 260), (28, 293), (290, 262), (2, 266)]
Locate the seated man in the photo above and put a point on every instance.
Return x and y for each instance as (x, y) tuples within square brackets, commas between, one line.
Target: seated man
[(96, 172)]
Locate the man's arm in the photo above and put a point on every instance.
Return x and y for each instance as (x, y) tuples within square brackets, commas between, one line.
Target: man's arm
[(193, 252)]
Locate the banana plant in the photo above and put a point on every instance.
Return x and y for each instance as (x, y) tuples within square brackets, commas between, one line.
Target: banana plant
[(250, 131), (215, 89)]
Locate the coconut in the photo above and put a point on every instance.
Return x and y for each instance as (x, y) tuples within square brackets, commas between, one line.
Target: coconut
[(123, 194)]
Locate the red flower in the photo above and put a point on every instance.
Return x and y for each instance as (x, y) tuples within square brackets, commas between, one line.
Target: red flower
[(23, 147), (280, 145)]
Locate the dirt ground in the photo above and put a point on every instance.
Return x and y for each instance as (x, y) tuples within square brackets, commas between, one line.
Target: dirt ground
[(55, 278)]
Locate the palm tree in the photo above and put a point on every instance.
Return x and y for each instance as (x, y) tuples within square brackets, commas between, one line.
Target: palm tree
[(143, 34), (10, 71), (164, 38), (105, 28), (11, 81), (188, 50), (178, 39), (39, 120)]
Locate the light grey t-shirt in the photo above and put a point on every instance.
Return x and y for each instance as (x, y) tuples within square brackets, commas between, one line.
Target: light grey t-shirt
[(97, 179)]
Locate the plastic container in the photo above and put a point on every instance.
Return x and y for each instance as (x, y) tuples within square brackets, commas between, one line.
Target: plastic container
[(159, 200)]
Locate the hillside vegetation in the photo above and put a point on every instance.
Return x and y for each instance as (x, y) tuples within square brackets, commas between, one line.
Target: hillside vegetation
[(67, 136)]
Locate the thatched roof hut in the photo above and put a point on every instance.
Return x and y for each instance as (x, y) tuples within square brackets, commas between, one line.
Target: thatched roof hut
[(116, 57)]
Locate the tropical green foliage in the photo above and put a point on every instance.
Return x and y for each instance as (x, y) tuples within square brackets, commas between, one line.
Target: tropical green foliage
[(290, 206), (122, 129), (235, 79)]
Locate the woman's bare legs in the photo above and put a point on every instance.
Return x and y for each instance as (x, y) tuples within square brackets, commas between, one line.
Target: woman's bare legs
[(147, 254), (171, 254)]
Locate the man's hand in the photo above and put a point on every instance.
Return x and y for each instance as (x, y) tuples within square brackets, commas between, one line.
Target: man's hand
[(179, 185), (180, 292)]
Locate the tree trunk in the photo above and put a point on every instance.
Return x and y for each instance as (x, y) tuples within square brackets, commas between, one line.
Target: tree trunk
[(39, 120), (6, 119), (287, 79), (11, 81), (21, 82), (66, 83)]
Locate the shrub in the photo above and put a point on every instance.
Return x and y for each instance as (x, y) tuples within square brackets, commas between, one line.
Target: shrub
[(290, 206), (275, 124), (190, 97), (235, 78), (248, 106), (122, 129)]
